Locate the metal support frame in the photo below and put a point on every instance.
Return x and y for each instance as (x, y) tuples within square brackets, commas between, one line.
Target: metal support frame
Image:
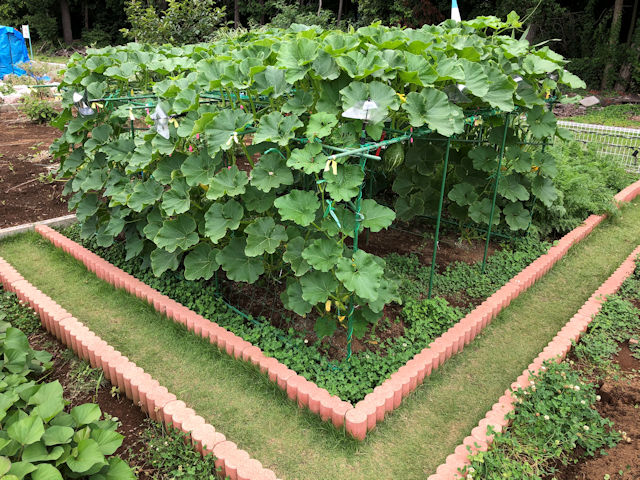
[(356, 231), (364, 152), (440, 204), (507, 118)]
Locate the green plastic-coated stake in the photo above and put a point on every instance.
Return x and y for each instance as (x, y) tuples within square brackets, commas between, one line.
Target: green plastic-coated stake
[(437, 236), (358, 205), (495, 192)]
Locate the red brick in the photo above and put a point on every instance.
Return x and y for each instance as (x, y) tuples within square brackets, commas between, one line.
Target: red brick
[(356, 424), (205, 438), (338, 413)]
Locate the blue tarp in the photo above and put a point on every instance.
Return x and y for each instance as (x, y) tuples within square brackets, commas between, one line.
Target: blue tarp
[(13, 50)]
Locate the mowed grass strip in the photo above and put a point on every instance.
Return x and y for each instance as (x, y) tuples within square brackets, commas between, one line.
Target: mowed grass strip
[(247, 408)]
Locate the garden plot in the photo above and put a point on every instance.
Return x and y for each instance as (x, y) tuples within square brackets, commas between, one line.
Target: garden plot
[(27, 192)]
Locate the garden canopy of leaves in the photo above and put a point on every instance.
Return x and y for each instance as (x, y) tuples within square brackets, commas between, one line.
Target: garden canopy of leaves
[(185, 201)]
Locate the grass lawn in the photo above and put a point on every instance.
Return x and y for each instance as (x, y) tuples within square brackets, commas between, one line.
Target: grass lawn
[(613, 115), (247, 408)]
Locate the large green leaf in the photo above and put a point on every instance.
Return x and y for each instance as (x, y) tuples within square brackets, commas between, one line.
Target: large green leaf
[(199, 168), (520, 159), (271, 82), (544, 190), (228, 181), (418, 71), (161, 261), (484, 158), (516, 216), (86, 456), (293, 256), (501, 90), (298, 103), (376, 216), (385, 98), (257, 201), (277, 128), (309, 159), (325, 326), (431, 107), (37, 452), (201, 262), (317, 286), (292, 298), (118, 470), (361, 274), (532, 63), (87, 207), (85, 414), (239, 267), (57, 435), (475, 80), (46, 471), (298, 206), (323, 253), (320, 125), (221, 130), (144, 194), (176, 200), (27, 430), (263, 236), (546, 163), (271, 172), (542, 122), (346, 184), (222, 217), (480, 212), (463, 194), (48, 400), (177, 233), (511, 188)]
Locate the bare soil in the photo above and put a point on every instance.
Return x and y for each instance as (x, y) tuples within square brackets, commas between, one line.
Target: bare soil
[(132, 419), (620, 402), (25, 195)]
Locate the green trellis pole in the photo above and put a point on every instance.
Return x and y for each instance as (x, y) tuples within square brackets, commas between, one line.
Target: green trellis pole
[(495, 191), (358, 215), (435, 243)]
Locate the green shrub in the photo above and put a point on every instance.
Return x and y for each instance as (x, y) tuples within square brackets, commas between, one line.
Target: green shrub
[(183, 22), (38, 109), (586, 184), (553, 420)]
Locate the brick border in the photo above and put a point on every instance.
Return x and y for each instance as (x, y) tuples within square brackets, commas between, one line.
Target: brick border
[(146, 392), (557, 349), (358, 420)]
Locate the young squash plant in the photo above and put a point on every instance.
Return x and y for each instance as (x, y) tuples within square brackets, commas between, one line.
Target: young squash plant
[(244, 176), (38, 439)]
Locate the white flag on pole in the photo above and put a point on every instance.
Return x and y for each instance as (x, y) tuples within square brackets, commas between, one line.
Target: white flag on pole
[(455, 12)]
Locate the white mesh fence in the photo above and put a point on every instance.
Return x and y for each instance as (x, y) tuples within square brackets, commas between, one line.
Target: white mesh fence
[(621, 145)]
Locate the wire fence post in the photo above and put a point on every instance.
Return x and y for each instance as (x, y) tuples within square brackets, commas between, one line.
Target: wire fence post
[(495, 191), (437, 236)]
